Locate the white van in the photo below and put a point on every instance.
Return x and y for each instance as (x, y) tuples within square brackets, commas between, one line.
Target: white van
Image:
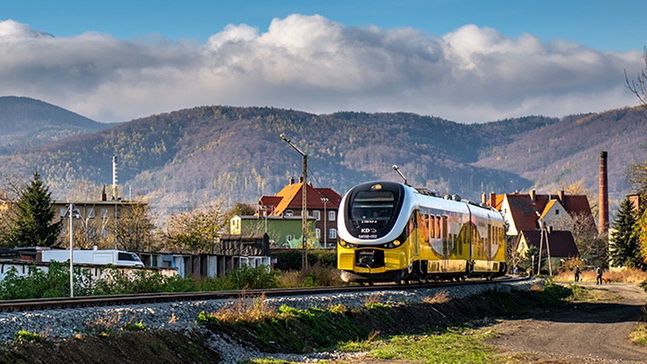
[(100, 257)]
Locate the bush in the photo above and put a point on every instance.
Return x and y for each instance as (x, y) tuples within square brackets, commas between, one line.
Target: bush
[(288, 260), (315, 276), (24, 335), (55, 282)]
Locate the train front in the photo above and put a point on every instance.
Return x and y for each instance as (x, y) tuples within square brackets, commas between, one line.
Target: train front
[(372, 228)]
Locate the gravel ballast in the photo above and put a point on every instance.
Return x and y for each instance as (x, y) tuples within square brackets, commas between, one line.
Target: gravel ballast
[(61, 324)]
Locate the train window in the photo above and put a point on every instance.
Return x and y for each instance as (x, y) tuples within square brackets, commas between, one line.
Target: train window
[(432, 227), (444, 227), (373, 205), (437, 227)]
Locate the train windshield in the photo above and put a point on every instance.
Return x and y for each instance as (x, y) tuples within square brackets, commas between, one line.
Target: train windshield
[(374, 207)]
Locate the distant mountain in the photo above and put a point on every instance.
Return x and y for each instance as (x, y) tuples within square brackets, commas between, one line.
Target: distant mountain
[(186, 158), (568, 151), (28, 123)]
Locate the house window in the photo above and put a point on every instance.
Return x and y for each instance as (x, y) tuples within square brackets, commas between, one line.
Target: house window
[(316, 214), (318, 233), (332, 233), (91, 213), (104, 212), (556, 212), (331, 217), (289, 213), (62, 211)]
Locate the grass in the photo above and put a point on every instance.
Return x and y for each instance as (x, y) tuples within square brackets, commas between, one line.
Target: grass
[(590, 294), (639, 334), (27, 336), (454, 345), (292, 330)]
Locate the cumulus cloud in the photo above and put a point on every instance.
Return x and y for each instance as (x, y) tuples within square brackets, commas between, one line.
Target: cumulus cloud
[(315, 64)]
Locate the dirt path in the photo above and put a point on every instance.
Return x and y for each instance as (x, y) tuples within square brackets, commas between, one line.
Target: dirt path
[(589, 332)]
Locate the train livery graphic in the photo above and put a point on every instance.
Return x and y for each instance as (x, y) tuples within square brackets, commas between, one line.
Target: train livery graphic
[(391, 232)]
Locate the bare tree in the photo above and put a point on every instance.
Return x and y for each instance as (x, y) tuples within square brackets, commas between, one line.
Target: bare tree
[(135, 229), (195, 231), (638, 86)]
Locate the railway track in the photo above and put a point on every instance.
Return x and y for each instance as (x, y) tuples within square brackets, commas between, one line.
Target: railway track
[(143, 298)]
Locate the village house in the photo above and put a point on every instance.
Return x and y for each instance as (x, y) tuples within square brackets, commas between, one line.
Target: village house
[(322, 204), (525, 214)]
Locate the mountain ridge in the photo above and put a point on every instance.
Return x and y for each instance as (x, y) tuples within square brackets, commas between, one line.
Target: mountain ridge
[(179, 160)]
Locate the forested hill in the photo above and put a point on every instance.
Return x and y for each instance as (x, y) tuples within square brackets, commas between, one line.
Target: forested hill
[(188, 157), (27, 123)]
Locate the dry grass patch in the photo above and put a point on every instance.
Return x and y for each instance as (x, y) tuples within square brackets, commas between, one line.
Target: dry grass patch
[(315, 276), (245, 309), (639, 335), (629, 275), (438, 298)]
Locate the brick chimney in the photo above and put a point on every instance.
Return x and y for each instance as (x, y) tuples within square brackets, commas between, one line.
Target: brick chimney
[(291, 180), (533, 194), (603, 194), (560, 196), (483, 199), (492, 199)]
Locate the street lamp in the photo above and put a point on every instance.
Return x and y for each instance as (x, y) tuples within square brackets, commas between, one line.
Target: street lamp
[(304, 207), (325, 201), (72, 213)]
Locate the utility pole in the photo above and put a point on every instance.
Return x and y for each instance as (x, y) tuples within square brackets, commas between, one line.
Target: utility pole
[(325, 201), (550, 264), (304, 202), (71, 208), (71, 213)]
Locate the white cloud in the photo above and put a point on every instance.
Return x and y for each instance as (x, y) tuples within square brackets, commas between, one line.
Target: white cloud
[(315, 64)]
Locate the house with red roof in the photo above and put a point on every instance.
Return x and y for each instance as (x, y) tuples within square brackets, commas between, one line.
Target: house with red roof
[(522, 211), (322, 205), (560, 243)]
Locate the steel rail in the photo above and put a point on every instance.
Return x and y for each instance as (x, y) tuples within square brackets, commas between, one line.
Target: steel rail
[(158, 297)]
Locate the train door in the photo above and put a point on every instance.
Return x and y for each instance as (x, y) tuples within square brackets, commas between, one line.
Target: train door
[(415, 243), (442, 224)]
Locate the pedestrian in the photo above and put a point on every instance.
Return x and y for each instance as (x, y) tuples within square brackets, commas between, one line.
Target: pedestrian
[(598, 272), (578, 272)]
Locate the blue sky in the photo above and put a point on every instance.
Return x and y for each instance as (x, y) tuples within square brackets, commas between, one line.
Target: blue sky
[(467, 61), (604, 25)]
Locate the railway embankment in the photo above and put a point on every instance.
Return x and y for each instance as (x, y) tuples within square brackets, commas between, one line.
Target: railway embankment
[(296, 328)]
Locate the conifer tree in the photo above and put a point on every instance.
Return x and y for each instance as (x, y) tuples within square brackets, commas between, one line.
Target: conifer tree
[(625, 249), (33, 220)]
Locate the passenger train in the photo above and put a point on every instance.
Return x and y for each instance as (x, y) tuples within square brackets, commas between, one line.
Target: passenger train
[(391, 232)]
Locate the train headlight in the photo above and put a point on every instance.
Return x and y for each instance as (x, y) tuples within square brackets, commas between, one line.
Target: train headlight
[(343, 244), (397, 243)]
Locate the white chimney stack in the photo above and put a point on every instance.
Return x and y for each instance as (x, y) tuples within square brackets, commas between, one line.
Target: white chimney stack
[(115, 194)]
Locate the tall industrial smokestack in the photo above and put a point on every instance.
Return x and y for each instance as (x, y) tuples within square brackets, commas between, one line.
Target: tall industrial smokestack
[(603, 195), (115, 192)]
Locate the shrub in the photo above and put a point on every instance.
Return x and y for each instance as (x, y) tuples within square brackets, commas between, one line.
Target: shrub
[(315, 276), (24, 335), (288, 260), (135, 326)]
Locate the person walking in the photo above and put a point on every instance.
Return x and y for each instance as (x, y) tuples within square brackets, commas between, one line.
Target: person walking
[(598, 272), (578, 272)]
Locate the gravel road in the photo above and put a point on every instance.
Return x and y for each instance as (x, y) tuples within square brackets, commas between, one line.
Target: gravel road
[(595, 332)]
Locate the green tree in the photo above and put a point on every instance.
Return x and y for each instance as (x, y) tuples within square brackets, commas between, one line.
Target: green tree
[(625, 248), (32, 220)]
